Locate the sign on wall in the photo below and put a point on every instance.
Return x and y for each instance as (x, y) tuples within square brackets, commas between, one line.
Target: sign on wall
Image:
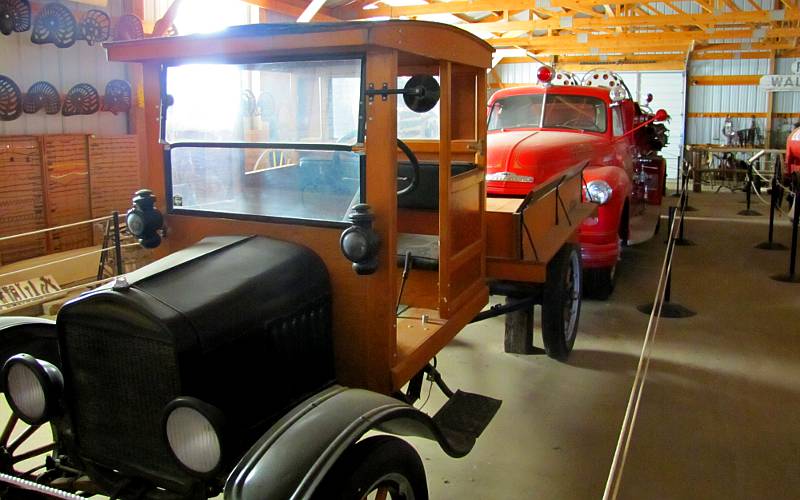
[(23, 292), (782, 83)]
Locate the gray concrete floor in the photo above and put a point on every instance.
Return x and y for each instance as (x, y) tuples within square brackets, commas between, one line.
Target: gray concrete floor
[(720, 413)]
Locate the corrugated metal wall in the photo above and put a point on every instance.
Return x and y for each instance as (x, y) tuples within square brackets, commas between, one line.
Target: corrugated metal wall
[(737, 99), (666, 86), (26, 63)]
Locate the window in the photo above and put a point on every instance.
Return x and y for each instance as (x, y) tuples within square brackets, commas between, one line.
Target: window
[(413, 125), (266, 140), (575, 112), (519, 111), (616, 120)]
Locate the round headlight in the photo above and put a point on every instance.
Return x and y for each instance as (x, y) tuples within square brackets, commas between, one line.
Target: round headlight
[(193, 433), (32, 387), (355, 245), (599, 191)]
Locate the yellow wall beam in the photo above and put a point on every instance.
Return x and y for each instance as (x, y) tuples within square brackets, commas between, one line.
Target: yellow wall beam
[(725, 80)]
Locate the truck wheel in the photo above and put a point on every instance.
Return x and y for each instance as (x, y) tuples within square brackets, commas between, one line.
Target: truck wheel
[(561, 302), (600, 282), (18, 444), (376, 467)]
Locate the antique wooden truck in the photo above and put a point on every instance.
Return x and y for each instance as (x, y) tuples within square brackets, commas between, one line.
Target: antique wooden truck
[(538, 131), (312, 266)]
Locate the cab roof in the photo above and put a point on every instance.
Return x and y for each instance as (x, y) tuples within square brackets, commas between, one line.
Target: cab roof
[(416, 41), (598, 92)]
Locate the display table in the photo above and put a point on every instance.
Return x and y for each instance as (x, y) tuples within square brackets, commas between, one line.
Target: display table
[(722, 167)]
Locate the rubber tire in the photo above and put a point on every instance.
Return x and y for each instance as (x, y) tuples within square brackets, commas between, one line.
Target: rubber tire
[(362, 466), (564, 282), (599, 282)]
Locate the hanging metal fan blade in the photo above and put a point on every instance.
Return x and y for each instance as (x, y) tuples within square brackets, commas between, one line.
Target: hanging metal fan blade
[(55, 24), (129, 27), (10, 99), (42, 95), (95, 26), (82, 99), (118, 96), (15, 15)]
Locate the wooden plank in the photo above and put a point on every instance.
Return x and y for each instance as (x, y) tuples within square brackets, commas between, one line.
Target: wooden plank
[(726, 80), (114, 173), (445, 222), (21, 201), (66, 163)]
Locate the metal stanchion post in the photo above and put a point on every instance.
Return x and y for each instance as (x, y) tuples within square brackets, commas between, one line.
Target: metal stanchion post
[(749, 189), (774, 200), (792, 277), (117, 243), (670, 218), (681, 241)]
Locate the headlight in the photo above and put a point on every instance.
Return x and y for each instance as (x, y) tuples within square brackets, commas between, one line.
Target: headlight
[(33, 387), (193, 433), (599, 191)]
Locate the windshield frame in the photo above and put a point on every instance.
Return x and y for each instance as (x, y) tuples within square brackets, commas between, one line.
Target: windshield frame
[(355, 147), (540, 124)]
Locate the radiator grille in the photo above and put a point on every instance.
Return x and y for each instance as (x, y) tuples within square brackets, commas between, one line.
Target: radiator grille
[(119, 385)]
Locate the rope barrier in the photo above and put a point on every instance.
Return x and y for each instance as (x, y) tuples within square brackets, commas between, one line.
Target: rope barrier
[(45, 230), (60, 261), (632, 410)]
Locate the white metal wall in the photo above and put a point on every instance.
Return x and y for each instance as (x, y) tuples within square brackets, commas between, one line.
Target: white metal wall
[(666, 86), (737, 99), (26, 63)]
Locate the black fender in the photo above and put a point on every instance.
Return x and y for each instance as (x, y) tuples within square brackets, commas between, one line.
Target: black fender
[(34, 336), (293, 456)]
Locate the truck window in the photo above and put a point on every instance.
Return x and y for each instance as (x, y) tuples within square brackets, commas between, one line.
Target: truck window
[(575, 112), (266, 139), (519, 111), (616, 119)]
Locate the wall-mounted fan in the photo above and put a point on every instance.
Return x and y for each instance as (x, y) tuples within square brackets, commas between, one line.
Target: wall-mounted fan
[(95, 27), (10, 99), (82, 99), (129, 27), (118, 96), (15, 15), (54, 24), (42, 95)]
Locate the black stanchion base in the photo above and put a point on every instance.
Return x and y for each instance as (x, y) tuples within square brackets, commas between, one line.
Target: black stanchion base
[(668, 310), (749, 212), (684, 242), (787, 278), (690, 208), (771, 246)]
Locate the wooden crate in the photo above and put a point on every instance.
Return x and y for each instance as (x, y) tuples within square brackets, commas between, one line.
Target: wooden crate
[(21, 198)]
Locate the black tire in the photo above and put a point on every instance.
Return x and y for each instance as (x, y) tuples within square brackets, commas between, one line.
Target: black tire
[(561, 302), (600, 282), (374, 463)]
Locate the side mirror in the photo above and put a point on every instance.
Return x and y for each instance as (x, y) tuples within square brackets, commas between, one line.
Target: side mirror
[(421, 93), (144, 220)]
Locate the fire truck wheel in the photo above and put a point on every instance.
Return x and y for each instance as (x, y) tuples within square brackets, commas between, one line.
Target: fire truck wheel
[(376, 467), (561, 302), (600, 282)]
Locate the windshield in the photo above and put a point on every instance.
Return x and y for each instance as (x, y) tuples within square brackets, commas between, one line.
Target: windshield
[(267, 139), (573, 112)]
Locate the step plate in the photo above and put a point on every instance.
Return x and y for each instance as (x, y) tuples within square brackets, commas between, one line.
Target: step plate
[(464, 417)]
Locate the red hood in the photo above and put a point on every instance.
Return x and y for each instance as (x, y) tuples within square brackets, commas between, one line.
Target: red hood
[(539, 153)]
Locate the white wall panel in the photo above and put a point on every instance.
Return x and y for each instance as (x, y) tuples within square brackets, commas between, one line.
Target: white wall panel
[(26, 63)]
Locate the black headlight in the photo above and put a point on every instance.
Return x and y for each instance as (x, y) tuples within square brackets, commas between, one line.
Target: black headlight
[(33, 388)]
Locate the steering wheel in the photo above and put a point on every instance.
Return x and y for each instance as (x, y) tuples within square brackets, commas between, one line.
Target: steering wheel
[(412, 158)]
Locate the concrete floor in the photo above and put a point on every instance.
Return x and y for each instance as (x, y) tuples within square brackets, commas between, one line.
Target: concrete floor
[(720, 413)]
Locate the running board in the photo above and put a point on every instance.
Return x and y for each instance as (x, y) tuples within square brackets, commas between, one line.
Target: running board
[(464, 417)]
